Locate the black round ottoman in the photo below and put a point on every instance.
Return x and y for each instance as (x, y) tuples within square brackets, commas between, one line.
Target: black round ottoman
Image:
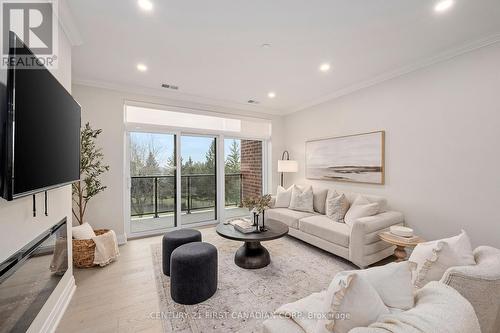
[(174, 239), (193, 269)]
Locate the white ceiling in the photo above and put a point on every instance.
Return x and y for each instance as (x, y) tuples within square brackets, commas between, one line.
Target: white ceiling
[(212, 49)]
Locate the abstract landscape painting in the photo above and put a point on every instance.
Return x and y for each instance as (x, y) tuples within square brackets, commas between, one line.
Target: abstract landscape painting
[(354, 158)]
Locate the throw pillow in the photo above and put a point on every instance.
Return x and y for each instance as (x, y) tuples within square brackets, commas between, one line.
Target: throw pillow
[(431, 259), (350, 302), (83, 231), (283, 197), (302, 200), (393, 282), (336, 206), (319, 200), (361, 207)]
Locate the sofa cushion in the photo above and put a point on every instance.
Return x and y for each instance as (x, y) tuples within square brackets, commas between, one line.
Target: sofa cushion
[(324, 228), (336, 206), (381, 201), (360, 208), (432, 259), (302, 199), (287, 216), (350, 301), (319, 200), (393, 284), (438, 308), (283, 197)]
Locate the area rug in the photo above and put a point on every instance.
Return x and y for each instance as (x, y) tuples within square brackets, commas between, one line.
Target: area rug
[(245, 298)]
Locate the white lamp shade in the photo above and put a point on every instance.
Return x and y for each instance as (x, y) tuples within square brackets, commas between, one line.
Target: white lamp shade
[(288, 166)]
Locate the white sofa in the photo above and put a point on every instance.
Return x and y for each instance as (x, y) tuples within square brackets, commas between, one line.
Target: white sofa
[(359, 244), (476, 298)]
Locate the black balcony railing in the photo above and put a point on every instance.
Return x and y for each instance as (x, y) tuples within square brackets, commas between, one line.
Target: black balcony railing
[(155, 195)]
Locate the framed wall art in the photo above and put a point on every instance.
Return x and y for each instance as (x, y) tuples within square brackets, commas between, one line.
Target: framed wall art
[(354, 158)]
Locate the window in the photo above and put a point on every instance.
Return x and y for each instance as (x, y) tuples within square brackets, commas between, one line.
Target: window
[(176, 169), (243, 173)]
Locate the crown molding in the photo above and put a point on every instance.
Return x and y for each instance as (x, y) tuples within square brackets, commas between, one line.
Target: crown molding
[(196, 101), (441, 57), (235, 107), (68, 25)]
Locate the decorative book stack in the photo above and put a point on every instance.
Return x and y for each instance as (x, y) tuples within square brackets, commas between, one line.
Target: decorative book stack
[(243, 225), (399, 240)]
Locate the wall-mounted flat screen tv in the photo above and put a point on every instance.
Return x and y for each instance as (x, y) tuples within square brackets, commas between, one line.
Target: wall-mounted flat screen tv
[(40, 129)]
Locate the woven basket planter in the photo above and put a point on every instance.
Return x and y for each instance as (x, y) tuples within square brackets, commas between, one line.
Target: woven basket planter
[(83, 251)]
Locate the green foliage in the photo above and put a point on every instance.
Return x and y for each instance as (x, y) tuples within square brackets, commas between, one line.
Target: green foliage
[(91, 169), (210, 157), (152, 167), (233, 164), (144, 162)]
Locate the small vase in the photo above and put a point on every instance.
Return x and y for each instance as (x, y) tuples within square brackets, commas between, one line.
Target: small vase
[(263, 227)]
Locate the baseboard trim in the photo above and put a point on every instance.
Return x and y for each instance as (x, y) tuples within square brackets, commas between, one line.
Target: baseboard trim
[(122, 239), (57, 312)]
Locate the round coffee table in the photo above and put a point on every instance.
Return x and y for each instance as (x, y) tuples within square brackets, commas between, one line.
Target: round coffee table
[(252, 255)]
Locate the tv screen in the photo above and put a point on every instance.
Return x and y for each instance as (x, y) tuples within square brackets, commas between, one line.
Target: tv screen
[(42, 131)]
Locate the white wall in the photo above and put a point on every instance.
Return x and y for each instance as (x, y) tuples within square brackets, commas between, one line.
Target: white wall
[(104, 108), (442, 143), (17, 223)]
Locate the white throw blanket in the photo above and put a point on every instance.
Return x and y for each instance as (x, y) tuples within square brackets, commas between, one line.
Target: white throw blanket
[(106, 248), (438, 309), (302, 311)]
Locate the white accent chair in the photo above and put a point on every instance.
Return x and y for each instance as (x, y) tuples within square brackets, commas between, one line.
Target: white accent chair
[(479, 286)]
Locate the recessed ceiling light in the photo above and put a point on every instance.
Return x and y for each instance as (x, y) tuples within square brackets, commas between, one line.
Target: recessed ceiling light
[(142, 67), (271, 94), (443, 5), (325, 67), (145, 4)]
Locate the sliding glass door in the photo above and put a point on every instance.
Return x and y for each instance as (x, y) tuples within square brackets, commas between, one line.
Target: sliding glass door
[(198, 179), (152, 181), (174, 179), (243, 174)]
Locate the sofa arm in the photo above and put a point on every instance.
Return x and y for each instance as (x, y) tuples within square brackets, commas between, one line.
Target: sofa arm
[(480, 285), (379, 222), (362, 234)]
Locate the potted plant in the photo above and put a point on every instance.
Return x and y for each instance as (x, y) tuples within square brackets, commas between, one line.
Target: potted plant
[(91, 169), (257, 206)]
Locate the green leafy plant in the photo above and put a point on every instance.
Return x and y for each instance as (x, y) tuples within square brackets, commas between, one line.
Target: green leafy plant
[(91, 169)]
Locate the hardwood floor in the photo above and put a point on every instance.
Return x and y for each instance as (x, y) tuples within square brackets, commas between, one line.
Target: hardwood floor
[(116, 298), (120, 297)]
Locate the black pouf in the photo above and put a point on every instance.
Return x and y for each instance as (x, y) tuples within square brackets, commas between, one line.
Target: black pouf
[(193, 269), (174, 239)]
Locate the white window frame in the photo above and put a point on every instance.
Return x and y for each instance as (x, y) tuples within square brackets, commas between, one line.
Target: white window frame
[(179, 132)]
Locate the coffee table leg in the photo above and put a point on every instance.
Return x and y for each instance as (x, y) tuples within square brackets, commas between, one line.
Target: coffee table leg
[(252, 255), (400, 253)]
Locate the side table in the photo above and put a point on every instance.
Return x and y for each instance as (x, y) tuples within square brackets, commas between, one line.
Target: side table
[(401, 243)]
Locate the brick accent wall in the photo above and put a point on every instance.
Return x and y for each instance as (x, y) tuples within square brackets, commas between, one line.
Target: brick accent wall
[(251, 167)]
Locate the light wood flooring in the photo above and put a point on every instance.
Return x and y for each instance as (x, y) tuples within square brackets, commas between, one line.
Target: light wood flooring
[(119, 297), (116, 298)]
